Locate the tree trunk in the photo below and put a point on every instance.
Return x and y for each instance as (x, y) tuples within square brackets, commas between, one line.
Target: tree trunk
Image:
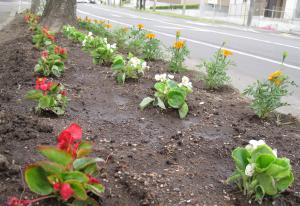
[(58, 13), (35, 5)]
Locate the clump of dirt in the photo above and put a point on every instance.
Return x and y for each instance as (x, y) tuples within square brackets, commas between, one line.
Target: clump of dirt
[(152, 157)]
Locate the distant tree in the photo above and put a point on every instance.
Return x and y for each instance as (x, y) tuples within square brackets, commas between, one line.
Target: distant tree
[(58, 13)]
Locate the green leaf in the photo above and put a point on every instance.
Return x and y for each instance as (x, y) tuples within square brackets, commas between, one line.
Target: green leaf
[(262, 149), (263, 162), (91, 169), (175, 99), (160, 87), (55, 71), (267, 183), (44, 102), (97, 189), (84, 149), (36, 179), (118, 62), (280, 168), (240, 157), (75, 175), (34, 94), (284, 183), (79, 191), (145, 102), (51, 167), (81, 163), (259, 193), (56, 155), (183, 111), (160, 103), (58, 110), (88, 202)]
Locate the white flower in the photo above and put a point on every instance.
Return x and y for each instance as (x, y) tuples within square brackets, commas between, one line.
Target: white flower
[(250, 169), (144, 65), (83, 42), (253, 144), (170, 76), (113, 46), (274, 152), (134, 61), (161, 77), (90, 34), (185, 81)]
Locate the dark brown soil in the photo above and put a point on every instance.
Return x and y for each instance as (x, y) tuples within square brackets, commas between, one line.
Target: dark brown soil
[(153, 157)]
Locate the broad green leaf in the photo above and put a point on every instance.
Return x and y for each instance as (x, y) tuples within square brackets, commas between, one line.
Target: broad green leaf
[(237, 175), (280, 168), (175, 99), (118, 62), (51, 167), (58, 110), (160, 103), (84, 149), (97, 189), (55, 71), (267, 183), (284, 183), (183, 111), (160, 87), (44, 102), (263, 162), (34, 94), (146, 101), (88, 202), (56, 155), (37, 181), (81, 163), (79, 191), (262, 149), (259, 193), (240, 157), (75, 175), (91, 169)]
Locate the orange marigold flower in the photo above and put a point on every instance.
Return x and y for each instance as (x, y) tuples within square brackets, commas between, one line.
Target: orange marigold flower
[(150, 36), (140, 26), (273, 76), (227, 53), (179, 44)]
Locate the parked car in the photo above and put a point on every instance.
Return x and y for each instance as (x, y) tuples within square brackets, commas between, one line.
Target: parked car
[(82, 1), (92, 1)]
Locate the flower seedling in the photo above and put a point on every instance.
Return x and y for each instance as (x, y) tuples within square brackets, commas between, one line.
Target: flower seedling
[(131, 69), (259, 172), (51, 96), (71, 33), (43, 37), (51, 64), (104, 54), (267, 94), (151, 48), (121, 37), (67, 174), (216, 75), (179, 52), (32, 20), (170, 94)]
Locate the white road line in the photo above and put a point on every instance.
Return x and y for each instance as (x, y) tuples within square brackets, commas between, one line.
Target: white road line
[(199, 42), (114, 15), (211, 31)]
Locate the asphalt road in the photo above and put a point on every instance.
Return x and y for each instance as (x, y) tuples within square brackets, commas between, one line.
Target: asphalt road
[(256, 53), (9, 7)]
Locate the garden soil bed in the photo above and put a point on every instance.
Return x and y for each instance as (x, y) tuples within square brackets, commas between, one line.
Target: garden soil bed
[(152, 157)]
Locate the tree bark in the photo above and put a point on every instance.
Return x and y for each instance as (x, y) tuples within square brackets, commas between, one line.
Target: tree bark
[(58, 13), (35, 5)]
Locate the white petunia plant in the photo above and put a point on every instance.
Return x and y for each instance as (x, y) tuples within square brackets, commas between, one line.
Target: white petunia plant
[(259, 172)]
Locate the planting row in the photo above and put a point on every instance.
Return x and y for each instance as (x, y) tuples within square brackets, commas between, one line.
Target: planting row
[(69, 175)]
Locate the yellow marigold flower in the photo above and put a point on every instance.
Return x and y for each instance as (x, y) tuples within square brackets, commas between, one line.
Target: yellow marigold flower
[(278, 82), (179, 44), (227, 53), (150, 36), (140, 26), (275, 75), (108, 26)]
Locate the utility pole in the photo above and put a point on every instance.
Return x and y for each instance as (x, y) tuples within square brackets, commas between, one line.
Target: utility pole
[(183, 7), (154, 5), (250, 13)]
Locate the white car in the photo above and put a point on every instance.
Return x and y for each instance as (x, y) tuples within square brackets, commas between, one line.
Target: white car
[(83, 1)]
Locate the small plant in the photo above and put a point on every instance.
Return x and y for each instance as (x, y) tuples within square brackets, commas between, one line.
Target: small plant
[(104, 54), (90, 42), (32, 20), (121, 37), (137, 40), (132, 69), (43, 37), (170, 94), (259, 172), (267, 94), (216, 76), (51, 97), (179, 52), (51, 64), (151, 48), (71, 33), (68, 174)]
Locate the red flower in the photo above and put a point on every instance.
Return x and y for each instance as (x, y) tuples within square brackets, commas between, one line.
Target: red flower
[(64, 93), (42, 84), (93, 180), (51, 37), (16, 202), (39, 82), (67, 139), (66, 191), (56, 186), (45, 54), (59, 50), (45, 30)]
